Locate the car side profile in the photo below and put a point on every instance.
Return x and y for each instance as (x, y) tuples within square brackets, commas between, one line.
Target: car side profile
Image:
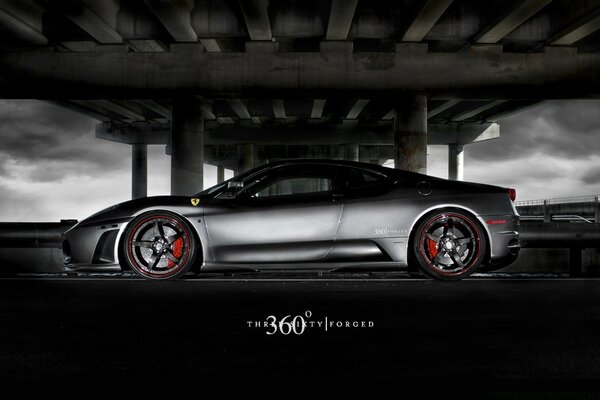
[(305, 214)]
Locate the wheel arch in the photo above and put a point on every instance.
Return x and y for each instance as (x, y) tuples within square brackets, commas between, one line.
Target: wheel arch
[(412, 267), (120, 238)]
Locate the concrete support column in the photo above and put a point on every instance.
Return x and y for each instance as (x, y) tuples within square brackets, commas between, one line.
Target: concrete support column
[(139, 171), (220, 173), (245, 157), (456, 162), (547, 214), (187, 147), (410, 134), (351, 152)]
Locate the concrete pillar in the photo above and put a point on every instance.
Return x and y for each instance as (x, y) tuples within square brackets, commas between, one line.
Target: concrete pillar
[(187, 147), (245, 157), (547, 214), (220, 173), (351, 152), (597, 209), (456, 162), (139, 171), (410, 134)]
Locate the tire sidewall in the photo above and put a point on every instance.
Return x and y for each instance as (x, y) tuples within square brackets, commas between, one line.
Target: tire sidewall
[(425, 268), (129, 231)]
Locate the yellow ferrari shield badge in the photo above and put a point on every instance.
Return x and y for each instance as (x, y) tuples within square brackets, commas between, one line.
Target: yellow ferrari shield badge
[(195, 201)]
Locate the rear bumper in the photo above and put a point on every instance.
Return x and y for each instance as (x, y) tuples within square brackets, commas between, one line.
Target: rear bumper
[(503, 231)]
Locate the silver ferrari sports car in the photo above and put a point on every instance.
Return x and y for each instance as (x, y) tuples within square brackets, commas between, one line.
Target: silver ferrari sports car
[(305, 214)]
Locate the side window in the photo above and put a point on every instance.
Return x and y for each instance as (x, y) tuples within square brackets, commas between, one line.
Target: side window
[(363, 182), (291, 181)]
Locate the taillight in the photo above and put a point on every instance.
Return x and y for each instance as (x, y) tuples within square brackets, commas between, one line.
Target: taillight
[(512, 193)]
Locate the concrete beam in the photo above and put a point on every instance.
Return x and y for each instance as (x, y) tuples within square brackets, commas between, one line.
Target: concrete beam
[(580, 29), (357, 108), (43, 75), (240, 108), (317, 108), (256, 16), (340, 19), (476, 111), (147, 45), (134, 133), (211, 45), (455, 133), (175, 17), (442, 107), (155, 107), (430, 13), (24, 18), (88, 16), (308, 135), (495, 116), (279, 109), (119, 109), (389, 115), (81, 108), (511, 21)]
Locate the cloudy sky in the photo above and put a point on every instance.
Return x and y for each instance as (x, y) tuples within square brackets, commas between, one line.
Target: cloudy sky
[(52, 167)]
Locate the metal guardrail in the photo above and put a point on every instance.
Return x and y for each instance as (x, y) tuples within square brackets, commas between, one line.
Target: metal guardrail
[(573, 209), (559, 235), (33, 234), (559, 200)]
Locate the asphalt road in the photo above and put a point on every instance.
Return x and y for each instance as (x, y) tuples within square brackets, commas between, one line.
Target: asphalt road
[(501, 335)]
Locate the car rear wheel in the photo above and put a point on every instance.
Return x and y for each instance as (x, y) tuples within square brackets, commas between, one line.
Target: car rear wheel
[(449, 245), (159, 245)]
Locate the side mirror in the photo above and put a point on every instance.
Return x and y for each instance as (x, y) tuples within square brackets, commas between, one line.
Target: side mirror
[(235, 185), (233, 188)]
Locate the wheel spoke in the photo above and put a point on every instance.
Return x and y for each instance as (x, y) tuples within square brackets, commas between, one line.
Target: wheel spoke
[(457, 260), (174, 237), (158, 228), (433, 238), (463, 241), (447, 226), (172, 257), (154, 260), (438, 258), (147, 244)]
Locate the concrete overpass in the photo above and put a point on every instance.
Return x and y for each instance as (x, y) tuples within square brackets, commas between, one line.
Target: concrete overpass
[(237, 83)]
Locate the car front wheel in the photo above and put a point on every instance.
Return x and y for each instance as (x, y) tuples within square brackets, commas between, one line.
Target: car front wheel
[(159, 245), (449, 245)]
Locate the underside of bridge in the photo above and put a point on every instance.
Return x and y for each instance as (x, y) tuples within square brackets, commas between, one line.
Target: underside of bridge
[(239, 83)]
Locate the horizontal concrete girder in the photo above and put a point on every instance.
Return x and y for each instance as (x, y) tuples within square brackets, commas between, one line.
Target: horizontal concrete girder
[(560, 73), (217, 134)]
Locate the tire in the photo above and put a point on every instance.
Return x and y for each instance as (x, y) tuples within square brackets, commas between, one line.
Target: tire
[(159, 245), (449, 245)]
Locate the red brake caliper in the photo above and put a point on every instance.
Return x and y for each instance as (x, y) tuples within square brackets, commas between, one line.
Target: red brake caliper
[(432, 249), (177, 251)]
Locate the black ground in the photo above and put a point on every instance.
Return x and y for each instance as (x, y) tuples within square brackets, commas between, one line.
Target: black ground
[(503, 336)]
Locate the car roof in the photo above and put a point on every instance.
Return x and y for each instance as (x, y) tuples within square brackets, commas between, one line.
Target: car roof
[(354, 164)]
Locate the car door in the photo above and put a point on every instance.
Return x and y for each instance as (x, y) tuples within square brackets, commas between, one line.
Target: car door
[(288, 214)]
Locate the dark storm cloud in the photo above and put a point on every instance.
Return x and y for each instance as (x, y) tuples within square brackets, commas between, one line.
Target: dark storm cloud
[(565, 129), (591, 176), (48, 143)]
